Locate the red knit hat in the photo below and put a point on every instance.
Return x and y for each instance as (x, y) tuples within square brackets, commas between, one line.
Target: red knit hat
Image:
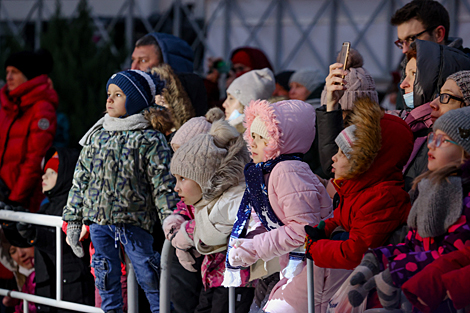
[(53, 163), (243, 58)]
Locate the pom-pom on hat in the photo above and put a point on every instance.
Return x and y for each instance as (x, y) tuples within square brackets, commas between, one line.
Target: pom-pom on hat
[(196, 126), (53, 163), (456, 125), (139, 87)]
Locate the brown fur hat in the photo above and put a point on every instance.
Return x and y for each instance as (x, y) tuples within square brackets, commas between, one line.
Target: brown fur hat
[(179, 104), (366, 117)]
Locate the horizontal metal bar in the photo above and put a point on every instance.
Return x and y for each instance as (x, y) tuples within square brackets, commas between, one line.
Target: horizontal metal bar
[(50, 302), (31, 218)]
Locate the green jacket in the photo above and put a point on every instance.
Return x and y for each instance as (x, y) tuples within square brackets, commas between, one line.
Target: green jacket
[(122, 177)]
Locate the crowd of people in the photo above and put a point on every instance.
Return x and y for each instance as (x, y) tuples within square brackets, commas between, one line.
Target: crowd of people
[(288, 166)]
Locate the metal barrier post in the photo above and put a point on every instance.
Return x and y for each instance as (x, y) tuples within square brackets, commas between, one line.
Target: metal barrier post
[(58, 258), (132, 289), (25, 306), (231, 299), (311, 294), (165, 275)]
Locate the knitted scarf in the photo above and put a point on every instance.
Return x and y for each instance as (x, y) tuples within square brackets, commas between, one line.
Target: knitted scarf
[(437, 207), (256, 198)]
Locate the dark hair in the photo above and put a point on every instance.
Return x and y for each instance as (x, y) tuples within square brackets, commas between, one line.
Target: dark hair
[(410, 54), (430, 13), (149, 40)]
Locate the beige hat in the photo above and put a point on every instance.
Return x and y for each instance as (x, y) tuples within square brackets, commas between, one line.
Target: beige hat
[(196, 126), (200, 158)]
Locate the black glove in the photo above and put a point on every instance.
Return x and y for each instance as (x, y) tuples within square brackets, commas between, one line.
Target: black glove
[(316, 233), (27, 231)]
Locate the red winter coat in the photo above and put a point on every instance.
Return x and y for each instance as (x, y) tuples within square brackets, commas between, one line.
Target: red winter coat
[(450, 273), (371, 205), (27, 128)]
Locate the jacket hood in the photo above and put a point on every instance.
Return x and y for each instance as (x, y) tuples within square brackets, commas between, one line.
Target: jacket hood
[(175, 51), (257, 58), (290, 125), (196, 91), (67, 160), (434, 64), (175, 96), (28, 93), (395, 150)]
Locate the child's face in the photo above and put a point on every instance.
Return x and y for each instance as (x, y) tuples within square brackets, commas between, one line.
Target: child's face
[(231, 104), (340, 165), (188, 190), (446, 153), (298, 92), (49, 179), (116, 102), (438, 109), (257, 147), (24, 257)]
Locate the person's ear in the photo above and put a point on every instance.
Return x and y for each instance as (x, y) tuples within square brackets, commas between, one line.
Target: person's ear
[(439, 34)]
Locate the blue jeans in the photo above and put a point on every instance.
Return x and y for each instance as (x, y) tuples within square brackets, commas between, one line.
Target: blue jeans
[(137, 244)]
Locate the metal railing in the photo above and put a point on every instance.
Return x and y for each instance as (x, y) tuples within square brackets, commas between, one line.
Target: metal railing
[(56, 221)]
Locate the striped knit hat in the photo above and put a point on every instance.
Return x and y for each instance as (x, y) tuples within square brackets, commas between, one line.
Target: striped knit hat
[(345, 140), (139, 87)]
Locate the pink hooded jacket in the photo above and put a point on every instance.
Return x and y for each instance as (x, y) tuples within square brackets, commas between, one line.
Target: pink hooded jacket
[(295, 194)]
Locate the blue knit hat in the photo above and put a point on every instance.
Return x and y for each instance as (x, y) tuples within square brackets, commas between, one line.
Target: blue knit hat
[(139, 87)]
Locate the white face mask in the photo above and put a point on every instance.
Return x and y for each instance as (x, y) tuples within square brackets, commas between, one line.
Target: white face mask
[(234, 115), (408, 98)]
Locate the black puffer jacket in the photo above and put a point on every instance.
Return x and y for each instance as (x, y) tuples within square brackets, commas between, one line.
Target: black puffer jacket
[(78, 283)]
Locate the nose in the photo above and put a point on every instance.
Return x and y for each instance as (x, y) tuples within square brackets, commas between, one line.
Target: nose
[(43, 176), (435, 104), (134, 65), (405, 48), (405, 83), (177, 187)]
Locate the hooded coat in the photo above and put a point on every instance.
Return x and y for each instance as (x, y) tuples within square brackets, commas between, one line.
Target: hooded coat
[(296, 195), (27, 128), (78, 283), (372, 204), (175, 52)]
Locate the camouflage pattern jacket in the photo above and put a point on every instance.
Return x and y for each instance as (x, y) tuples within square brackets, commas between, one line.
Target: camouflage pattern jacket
[(122, 177)]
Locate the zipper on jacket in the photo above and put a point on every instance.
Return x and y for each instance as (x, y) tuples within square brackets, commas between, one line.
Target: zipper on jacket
[(7, 139)]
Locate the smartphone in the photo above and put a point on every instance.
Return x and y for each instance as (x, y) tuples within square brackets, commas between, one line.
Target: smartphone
[(344, 54)]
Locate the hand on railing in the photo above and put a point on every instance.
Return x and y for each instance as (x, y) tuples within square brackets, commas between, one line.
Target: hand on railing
[(74, 230)]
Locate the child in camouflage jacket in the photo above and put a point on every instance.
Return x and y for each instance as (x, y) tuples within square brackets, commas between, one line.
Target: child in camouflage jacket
[(121, 182)]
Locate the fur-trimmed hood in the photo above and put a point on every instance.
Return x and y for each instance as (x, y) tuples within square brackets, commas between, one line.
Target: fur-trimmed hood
[(376, 157), (230, 172), (290, 125), (175, 96)]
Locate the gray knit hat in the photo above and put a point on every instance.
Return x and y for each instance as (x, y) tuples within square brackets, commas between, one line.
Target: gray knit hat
[(309, 78), (462, 79), (456, 125), (345, 140), (201, 157), (253, 85)]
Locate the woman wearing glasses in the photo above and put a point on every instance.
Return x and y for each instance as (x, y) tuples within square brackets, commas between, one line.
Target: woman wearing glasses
[(439, 222)]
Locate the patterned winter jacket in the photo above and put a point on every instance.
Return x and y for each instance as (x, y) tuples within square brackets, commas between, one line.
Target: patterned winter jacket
[(406, 260), (122, 177)]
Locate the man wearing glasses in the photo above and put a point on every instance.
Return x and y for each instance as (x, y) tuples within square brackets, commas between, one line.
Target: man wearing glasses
[(425, 20)]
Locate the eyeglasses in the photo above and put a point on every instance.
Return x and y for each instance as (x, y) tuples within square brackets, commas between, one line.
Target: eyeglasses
[(400, 42), (437, 140), (444, 98)]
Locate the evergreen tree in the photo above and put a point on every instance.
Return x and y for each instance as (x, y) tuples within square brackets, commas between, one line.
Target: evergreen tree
[(81, 68)]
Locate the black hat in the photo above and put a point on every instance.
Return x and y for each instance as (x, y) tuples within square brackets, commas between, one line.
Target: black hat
[(31, 64), (282, 79)]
